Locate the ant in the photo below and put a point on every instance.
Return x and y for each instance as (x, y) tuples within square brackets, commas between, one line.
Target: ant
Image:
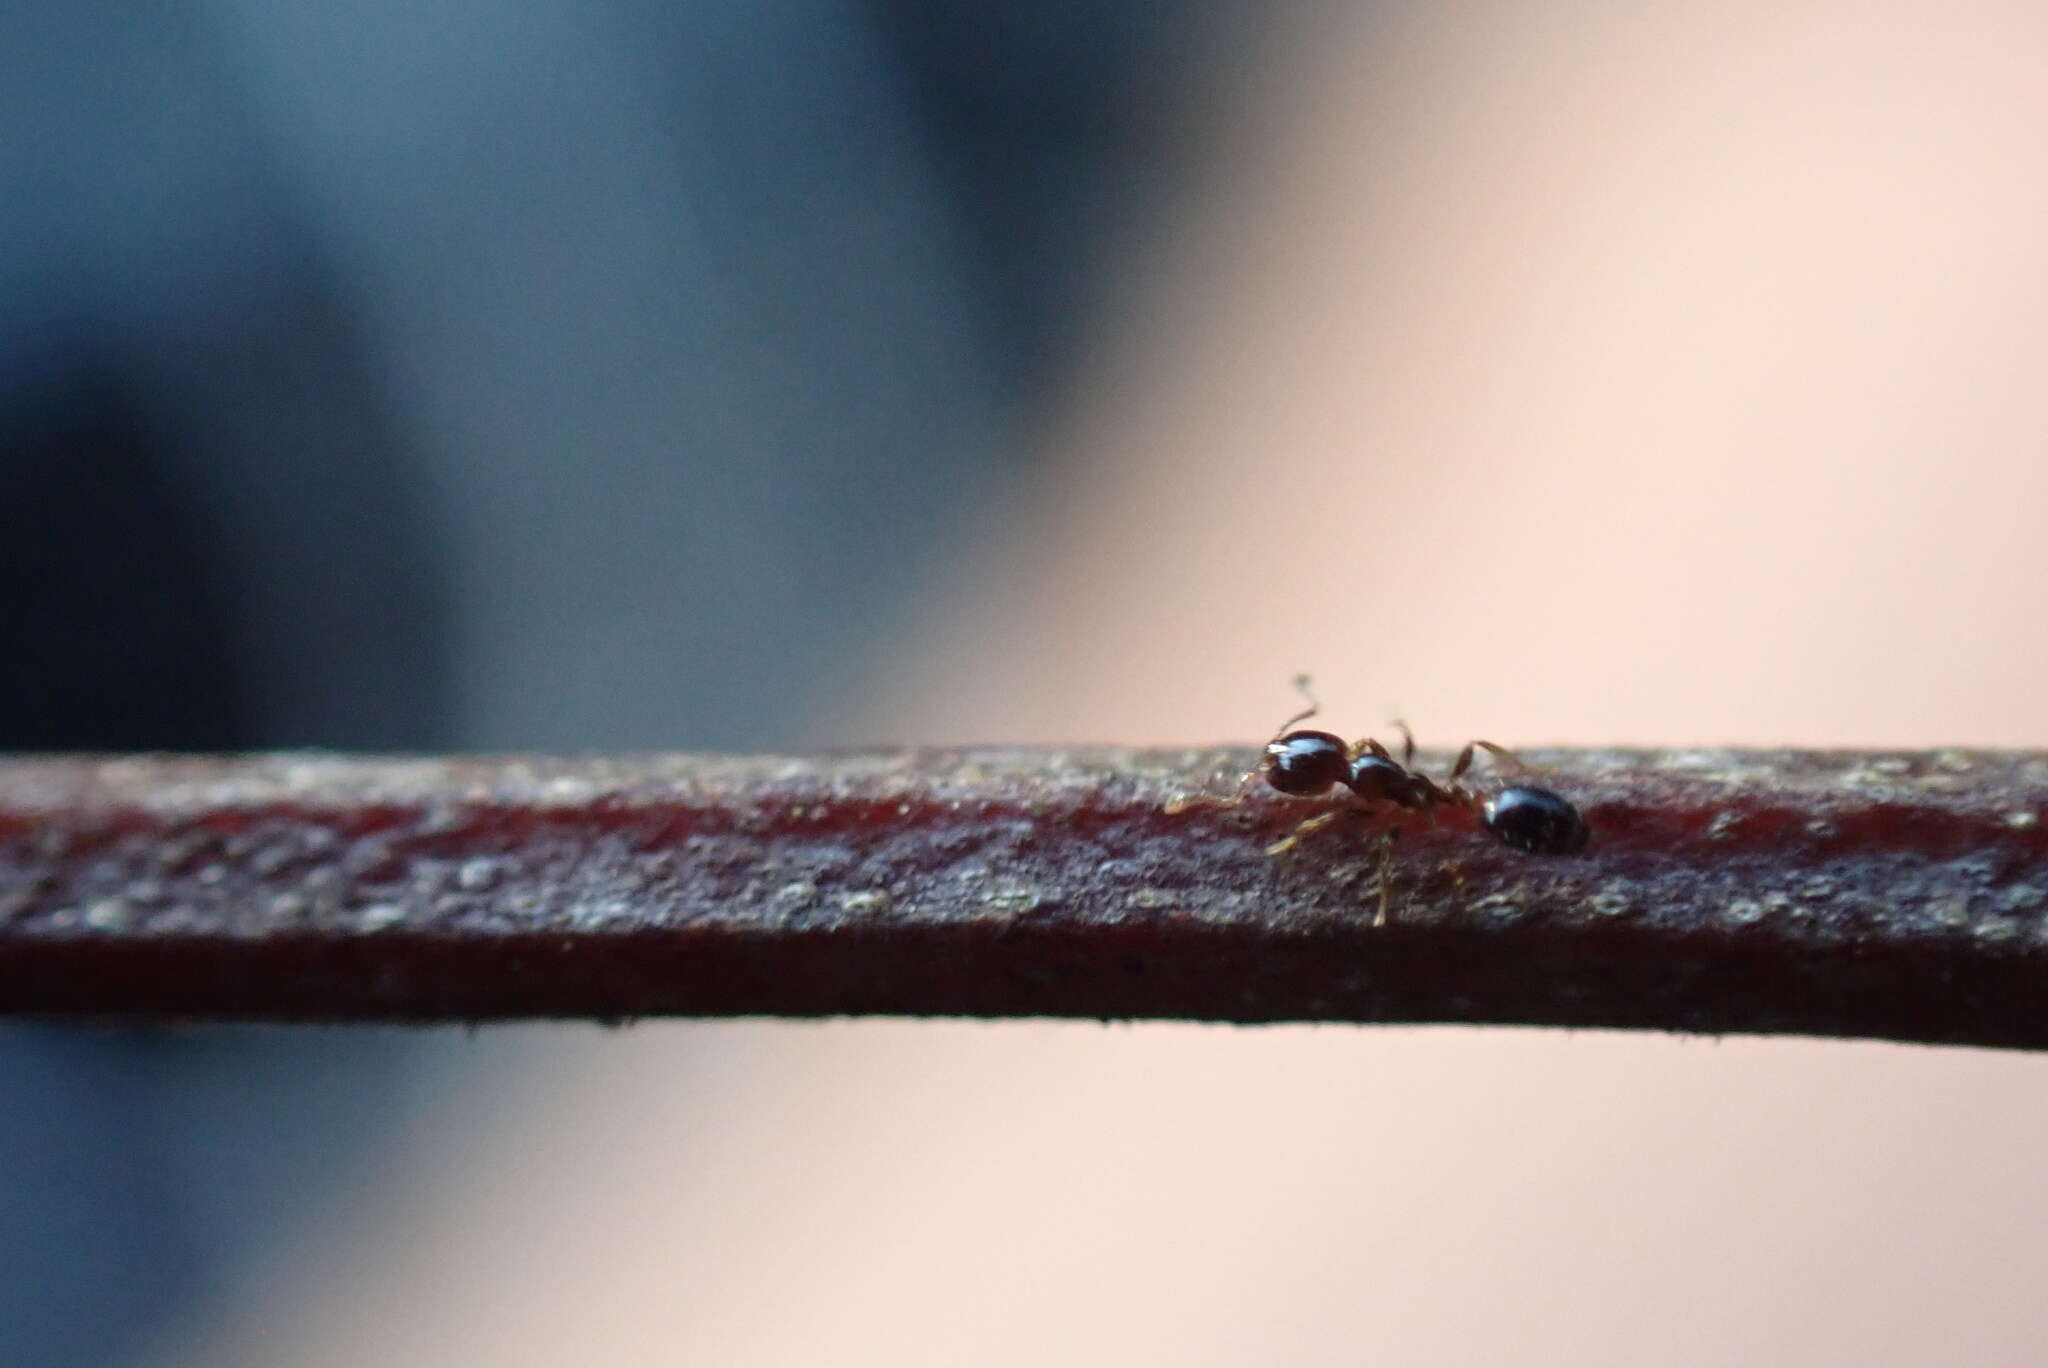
[(1309, 764)]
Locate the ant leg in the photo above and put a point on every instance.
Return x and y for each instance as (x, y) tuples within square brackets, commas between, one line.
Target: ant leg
[(1407, 744), (1183, 802), (1386, 874), (1310, 828), (1366, 745), (1500, 753)]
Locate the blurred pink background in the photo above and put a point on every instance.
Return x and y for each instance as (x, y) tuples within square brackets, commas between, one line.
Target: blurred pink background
[(1574, 373)]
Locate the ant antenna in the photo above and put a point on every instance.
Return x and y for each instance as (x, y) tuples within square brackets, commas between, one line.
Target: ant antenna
[(1301, 684)]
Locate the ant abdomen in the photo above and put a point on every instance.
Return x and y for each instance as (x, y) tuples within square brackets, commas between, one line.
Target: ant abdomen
[(1535, 820)]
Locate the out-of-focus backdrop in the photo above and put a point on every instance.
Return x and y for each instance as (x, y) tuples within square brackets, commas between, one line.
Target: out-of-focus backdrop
[(616, 375)]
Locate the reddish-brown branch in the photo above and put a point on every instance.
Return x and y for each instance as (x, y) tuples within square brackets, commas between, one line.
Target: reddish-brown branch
[(1902, 896)]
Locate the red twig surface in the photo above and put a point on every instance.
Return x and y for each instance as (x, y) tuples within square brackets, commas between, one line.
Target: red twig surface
[(1891, 895)]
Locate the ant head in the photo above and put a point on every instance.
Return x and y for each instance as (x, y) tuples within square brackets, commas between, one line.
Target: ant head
[(1303, 764), (1535, 820)]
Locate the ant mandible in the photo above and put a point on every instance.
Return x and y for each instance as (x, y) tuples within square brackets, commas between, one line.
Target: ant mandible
[(1308, 764)]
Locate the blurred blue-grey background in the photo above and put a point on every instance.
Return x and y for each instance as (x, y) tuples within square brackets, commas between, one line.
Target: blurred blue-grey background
[(527, 375)]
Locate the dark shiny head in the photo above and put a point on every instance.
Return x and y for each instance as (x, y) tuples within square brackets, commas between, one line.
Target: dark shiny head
[(1536, 820), (1306, 763)]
